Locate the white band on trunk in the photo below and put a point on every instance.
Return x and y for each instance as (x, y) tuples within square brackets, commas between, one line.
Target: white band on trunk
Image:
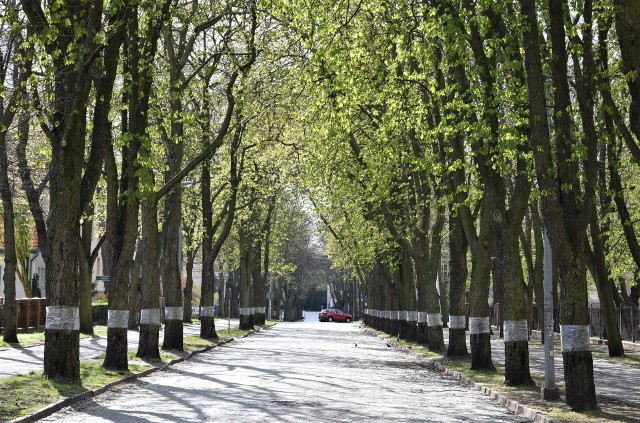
[(63, 318), (402, 315), (246, 311), (412, 316), (515, 330), (118, 319), (173, 313), (207, 311), (387, 314), (575, 338), (261, 310), (479, 325), (457, 322), (434, 320), (422, 317), (150, 316)]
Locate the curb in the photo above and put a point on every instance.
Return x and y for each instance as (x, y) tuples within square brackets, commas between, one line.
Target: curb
[(511, 405), (66, 402)]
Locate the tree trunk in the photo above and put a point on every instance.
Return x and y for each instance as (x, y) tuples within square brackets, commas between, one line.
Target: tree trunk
[(62, 340), (170, 268), (85, 282), (516, 341), (148, 346), (207, 324), (458, 278), (628, 30), (600, 274), (565, 229), (479, 327), (258, 285), (10, 333), (246, 289), (188, 289), (134, 289), (407, 298)]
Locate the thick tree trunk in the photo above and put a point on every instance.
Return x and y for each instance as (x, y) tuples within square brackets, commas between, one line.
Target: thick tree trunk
[(566, 229), (150, 292), (458, 278), (170, 268), (479, 327), (516, 340), (62, 340)]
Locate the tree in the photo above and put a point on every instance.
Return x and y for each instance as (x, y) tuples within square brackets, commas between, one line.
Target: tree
[(13, 76), (564, 222)]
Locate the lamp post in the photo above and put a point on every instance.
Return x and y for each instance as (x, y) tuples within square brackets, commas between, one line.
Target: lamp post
[(549, 390)]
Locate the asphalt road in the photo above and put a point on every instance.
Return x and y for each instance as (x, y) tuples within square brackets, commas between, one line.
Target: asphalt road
[(293, 372)]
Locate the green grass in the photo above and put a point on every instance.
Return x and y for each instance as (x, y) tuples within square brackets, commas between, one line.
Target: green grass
[(21, 395), (25, 394), (24, 340), (631, 358), (609, 411)]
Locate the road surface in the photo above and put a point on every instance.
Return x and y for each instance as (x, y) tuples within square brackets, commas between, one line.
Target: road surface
[(293, 372)]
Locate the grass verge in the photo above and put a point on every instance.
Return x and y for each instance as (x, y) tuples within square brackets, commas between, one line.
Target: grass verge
[(25, 394), (609, 410)]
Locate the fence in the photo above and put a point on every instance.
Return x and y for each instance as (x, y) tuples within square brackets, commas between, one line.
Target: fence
[(30, 314), (628, 317)]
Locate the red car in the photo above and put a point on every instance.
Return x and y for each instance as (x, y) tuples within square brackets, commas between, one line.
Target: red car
[(334, 314)]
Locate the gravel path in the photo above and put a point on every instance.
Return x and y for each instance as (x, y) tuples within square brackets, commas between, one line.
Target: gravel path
[(290, 373)]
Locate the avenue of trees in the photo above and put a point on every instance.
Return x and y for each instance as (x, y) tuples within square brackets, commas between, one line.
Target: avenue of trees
[(421, 135)]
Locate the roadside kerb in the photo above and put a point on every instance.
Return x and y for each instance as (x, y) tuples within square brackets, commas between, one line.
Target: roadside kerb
[(511, 405), (69, 401)]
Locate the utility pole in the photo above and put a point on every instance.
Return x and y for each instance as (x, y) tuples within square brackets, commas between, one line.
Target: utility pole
[(549, 390)]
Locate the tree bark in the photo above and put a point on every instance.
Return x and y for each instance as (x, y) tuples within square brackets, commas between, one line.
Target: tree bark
[(246, 288), (148, 346), (457, 282), (134, 289), (565, 228), (600, 274), (10, 332), (188, 289), (628, 31), (84, 281)]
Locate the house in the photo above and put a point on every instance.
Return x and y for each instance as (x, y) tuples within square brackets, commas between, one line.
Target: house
[(34, 265)]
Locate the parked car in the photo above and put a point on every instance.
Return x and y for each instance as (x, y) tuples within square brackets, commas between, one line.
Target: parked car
[(334, 314)]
